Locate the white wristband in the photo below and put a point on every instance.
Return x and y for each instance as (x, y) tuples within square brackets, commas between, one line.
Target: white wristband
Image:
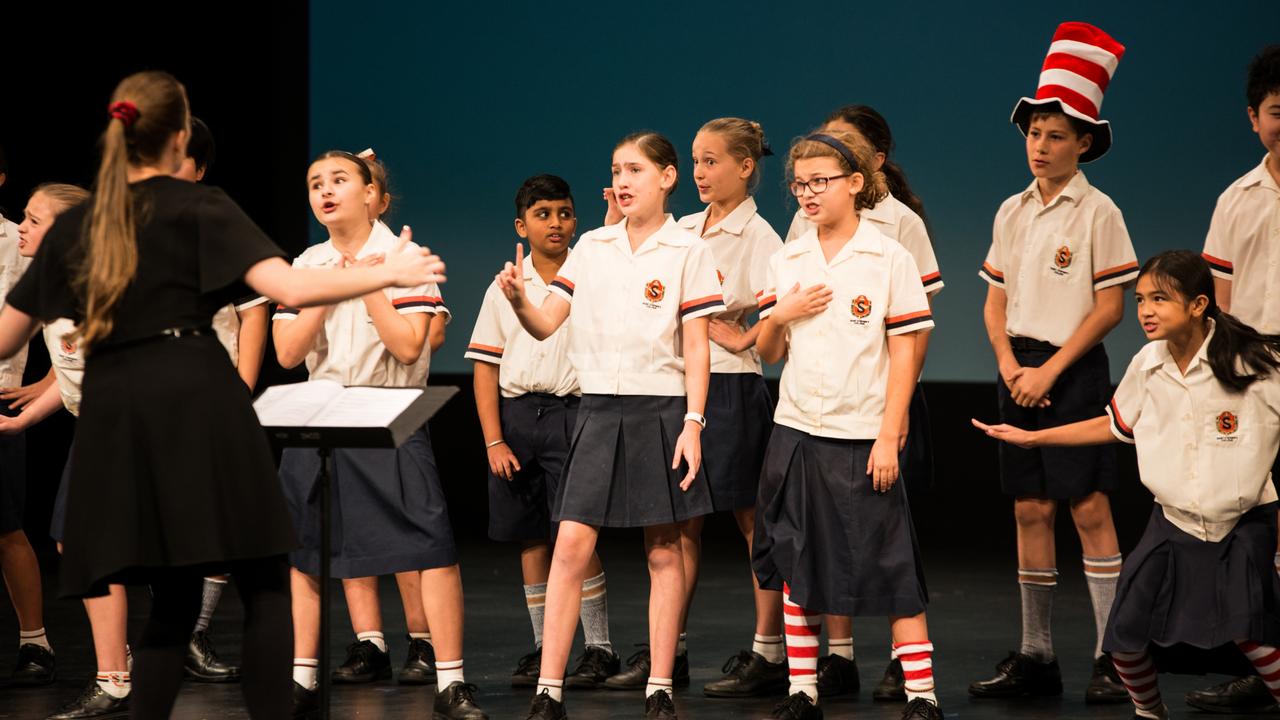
[(700, 419)]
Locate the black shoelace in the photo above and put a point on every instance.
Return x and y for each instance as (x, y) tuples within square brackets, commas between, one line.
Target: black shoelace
[(737, 663)]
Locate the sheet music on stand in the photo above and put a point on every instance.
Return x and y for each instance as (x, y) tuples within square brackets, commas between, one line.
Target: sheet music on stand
[(324, 414)]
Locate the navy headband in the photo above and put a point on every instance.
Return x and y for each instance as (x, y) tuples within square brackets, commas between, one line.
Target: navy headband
[(838, 147)]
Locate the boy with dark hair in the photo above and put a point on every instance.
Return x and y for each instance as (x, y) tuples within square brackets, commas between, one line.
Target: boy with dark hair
[(527, 398)]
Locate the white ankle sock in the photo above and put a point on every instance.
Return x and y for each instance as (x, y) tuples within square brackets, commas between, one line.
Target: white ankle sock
[(34, 637), (657, 685), (770, 647), (840, 647), (554, 688), (375, 637), (421, 636), (115, 684), (448, 672), (305, 671)]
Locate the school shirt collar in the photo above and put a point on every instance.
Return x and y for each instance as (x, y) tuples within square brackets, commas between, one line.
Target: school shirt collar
[(882, 212), (381, 240), (669, 234), (1076, 189), (531, 274), (734, 223), (1259, 177), (866, 239), (1162, 358)]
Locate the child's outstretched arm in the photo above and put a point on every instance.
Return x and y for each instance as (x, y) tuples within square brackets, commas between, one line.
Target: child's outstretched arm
[(540, 322), (1094, 431)]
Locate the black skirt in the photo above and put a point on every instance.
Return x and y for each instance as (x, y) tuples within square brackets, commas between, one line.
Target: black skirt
[(537, 428), (917, 455), (619, 474), (387, 510), (13, 477), (739, 418), (821, 528), (170, 468), (58, 521), (1080, 393), (1190, 600)]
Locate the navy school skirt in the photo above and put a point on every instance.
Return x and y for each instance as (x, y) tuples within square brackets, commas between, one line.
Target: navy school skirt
[(537, 428), (387, 510), (13, 477), (1190, 600), (916, 458), (739, 418), (1081, 393), (618, 473), (822, 529)]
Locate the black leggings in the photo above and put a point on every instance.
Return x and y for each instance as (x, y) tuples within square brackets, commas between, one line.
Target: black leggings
[(267, 661)]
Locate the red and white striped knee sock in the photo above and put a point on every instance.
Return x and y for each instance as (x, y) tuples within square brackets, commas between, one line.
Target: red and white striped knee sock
[(802, 630), (1266, 660), (917, 669), (1138, 674)]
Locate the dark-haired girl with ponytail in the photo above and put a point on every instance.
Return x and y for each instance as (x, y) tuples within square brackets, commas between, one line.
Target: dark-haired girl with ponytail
[(1202, 404), (171, 476)]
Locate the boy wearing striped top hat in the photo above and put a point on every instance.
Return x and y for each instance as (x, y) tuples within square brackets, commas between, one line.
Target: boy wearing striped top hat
[(1059, 261), (1243, 252)]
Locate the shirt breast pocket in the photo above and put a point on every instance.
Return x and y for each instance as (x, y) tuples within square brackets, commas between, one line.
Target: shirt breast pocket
[(1064, 259), (1228, 429)]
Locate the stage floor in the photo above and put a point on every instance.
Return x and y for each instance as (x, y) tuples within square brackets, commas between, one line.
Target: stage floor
[(973, 618)]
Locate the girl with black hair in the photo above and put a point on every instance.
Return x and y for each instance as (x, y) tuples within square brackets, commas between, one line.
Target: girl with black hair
[(1202, 404)]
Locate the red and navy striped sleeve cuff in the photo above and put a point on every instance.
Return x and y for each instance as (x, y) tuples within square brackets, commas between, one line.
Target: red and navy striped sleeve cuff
[(765, 302), (698, 307), (991, 274), (564, 285), (1118, 426), (483, 353), (285, 313), (418, 303), (908, 322), (1221, 268), (932, 282), (1117, 275)]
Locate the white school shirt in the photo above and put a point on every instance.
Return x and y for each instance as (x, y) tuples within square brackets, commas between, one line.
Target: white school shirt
[(896, 221), (1050, 260), (347, 349), (525, 365), (226, 325), (12, 265), (837, 373), (742, 243), (1243, 246), (1203, 451), (67, 360), (627, 307)]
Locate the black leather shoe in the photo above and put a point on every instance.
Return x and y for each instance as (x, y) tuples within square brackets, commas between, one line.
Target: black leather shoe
[(528, 670), (545, 708), (659, 706), (921, 709), (202, 663), (457, 702), (797, 706), (595, 666), (419, 665), (365, 663), (1105, 687), (837, 676), (1244, 695), (1020, 675), (35, 666), (636, 675), (748, 674), (892, 687), (306, 703), (94, 702)]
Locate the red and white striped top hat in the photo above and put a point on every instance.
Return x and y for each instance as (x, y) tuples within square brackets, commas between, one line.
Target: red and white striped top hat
[(1081, 61)]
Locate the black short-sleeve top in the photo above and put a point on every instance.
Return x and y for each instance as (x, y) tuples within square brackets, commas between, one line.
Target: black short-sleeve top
[(194, 247)]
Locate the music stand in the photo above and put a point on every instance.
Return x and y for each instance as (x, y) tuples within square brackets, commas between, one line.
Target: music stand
[(325, 439)]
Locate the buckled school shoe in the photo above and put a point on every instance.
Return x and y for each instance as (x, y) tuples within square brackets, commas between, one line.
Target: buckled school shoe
[(748, 674)]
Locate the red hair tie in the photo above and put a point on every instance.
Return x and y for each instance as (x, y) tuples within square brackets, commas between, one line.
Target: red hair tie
[(126, 111)]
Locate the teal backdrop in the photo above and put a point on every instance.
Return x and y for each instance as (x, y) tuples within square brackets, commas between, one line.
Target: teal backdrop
[(465, 100)]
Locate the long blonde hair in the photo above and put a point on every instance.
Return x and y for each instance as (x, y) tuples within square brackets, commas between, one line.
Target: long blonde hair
[(155, 107)]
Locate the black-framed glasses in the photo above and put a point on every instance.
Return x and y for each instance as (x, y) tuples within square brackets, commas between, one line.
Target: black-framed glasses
[(818, 185)]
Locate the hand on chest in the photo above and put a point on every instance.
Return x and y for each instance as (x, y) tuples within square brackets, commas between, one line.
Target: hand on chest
[(859, 297)]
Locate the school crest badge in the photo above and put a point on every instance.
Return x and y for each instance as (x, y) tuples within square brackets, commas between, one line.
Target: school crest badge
[(860, 307), (1228, 423), (68, 347), (1062, 258), (654, 291)]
